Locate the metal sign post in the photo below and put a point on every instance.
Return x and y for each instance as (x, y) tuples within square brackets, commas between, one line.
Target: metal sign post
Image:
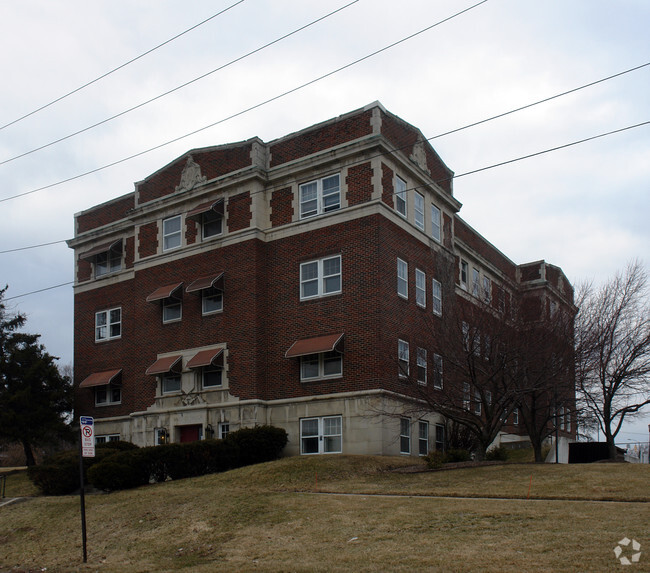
[(86, 450)]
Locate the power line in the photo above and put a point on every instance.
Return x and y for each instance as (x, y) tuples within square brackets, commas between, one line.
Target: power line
[(31, 247), (203, 76), (39, 290), (242, 112), (119, 67)]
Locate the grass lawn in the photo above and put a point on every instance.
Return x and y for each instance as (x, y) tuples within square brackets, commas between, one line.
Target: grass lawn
[(296, 514)]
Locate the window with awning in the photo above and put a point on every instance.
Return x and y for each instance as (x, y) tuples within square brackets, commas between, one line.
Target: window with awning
[(210, 217), (166, 365), (107, 257), (211, 290), (106, 385), (170, 297), (320, 356), (209, 364)]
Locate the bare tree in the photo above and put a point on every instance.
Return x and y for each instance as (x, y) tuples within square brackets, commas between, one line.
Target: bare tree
[(612, 334)]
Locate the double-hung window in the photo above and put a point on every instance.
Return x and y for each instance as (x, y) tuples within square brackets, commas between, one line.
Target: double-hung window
[(423, 438), (321, 435), (108, 262), (171, 382), (400, 196), (211, 376), (487, 290), (320, 196), (463, 274), (420, 288), (108, 324), (211, 224), (402, 278), (436, 288), (476, 277), (435, 223), (403, 358), (172, 233), (404, 436), (107, 395), (171, 309), (211, 300), (320, 278), (418, 203), (437, 371), (322, 365), (422, 366)]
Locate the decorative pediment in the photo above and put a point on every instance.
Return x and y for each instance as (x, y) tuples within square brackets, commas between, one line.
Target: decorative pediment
[(190, 398), (419, 155), (191, 176)]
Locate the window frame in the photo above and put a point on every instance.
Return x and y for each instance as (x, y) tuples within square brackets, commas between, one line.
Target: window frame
[(167, 235), (105, 438), (423, 440), (440, 437), (418, 206), (436, 290), (113, 263), (436, 223), (169, 303), (224, 429), (476, 281), (320, 197), (421, 360), (438, 380), (464, 273), (420, 288), (323, 437), (405, 436), (487, 289), (403, 279), (321, 278), (207, 370), (401, 203), (167, 376), (214, 217), (107, 326), (321, 360), (207, 294), (110, 400), (403, 358)]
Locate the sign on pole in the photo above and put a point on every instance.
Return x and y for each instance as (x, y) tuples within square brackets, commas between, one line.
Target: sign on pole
[(87, 436)]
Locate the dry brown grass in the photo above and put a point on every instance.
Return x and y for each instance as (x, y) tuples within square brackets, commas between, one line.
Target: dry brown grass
[(268, 518)]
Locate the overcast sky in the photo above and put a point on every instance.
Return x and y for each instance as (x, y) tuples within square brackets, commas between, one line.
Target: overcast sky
[(584, 208)]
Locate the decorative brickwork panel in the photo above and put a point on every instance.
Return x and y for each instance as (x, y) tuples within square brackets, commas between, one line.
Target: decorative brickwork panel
[(148, 240), (387, 186), (321, 137), (476, 242), (191, 231), (105, 214), (212, 162), (239, 211), (405, 137), (359, 182), (281, 207), (129, 252), (84, 270)]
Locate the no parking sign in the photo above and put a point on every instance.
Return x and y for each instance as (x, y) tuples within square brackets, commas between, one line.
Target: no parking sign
[(87, 424)]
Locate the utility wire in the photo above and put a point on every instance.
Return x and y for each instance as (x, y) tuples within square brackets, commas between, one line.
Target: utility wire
[(242, 112), (37, 291), (203, 76), (31, 247), (119, 67)]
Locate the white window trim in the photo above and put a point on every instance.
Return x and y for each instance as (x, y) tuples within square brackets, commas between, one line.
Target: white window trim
[(320, 207), (403, 279), (224, 429), (105, 438), (487, 290), (203, 371), (170, 375), (464, 270), (321, 278), (321, 367), (166, 235), (321, 436), (404, 436), (108, 324), (420, 288), (418, 205), (438, 381), (436, 223), (423, 424), (166, 304), (476, 281), (403, 358), (436, 289), (204, 225), (422, 366), (113, 263), (209, 293), (401, 203), (109, 398)]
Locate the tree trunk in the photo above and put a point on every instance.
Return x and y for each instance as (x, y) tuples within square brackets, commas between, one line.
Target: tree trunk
[(537, 448), (611, 447), (29, 454)]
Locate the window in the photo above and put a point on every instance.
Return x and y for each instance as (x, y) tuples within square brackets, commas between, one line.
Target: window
[(400, 196), (108, 324), (422, 366), (320, 278), (487, 290), (435, 223), (477, 402), (402, 278), (161, 436), (466, 395), (172, 233), (320, 196), (211, 377), (568, 420), (404, 436), (211, 300), (211, 224), (423, 438), (515, 417), (437, 371), (476, 275), (323, 365), (171, 382), (561, 414), (419, 210), (420, 288), (403, 358), (440, 437), (321, 435), (224, 430), (107, 438), (436, 288), (171, 308), (463, 274), (108, 262), (107, 395)]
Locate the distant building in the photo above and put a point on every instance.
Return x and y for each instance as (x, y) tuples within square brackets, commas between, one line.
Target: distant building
[(289, 283)]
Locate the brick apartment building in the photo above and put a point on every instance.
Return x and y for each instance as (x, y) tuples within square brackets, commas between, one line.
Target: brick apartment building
[(290, 283)]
